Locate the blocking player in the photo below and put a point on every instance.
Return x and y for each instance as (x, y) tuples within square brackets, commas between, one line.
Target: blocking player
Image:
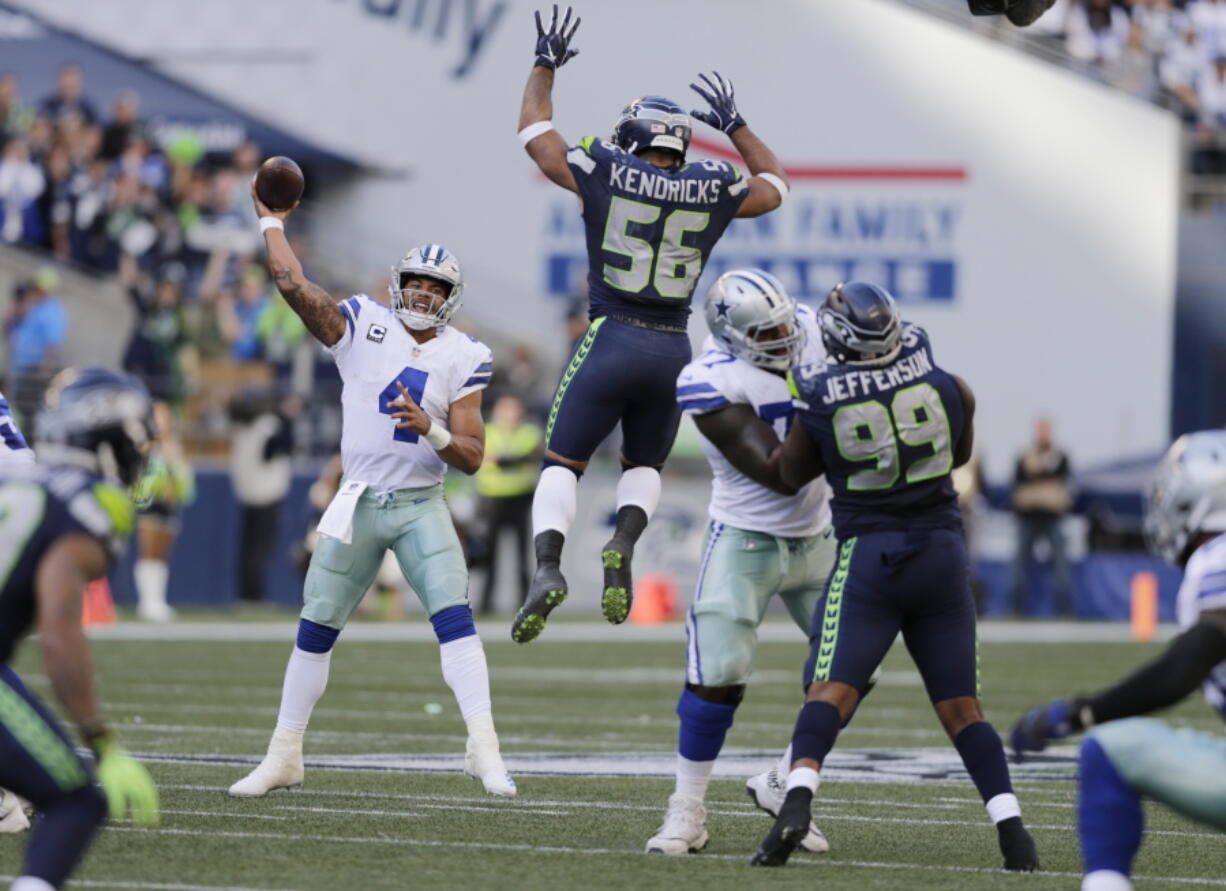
[(64, 521), (651, 221), (887, 425), (411, 406), (763, 539), (1125, 758)]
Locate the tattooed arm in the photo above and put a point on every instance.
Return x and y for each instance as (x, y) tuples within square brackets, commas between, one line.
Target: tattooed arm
[(315, 306)]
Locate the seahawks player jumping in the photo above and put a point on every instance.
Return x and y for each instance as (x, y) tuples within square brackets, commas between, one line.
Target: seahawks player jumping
[(411, 406), (62, 523), (1130, 757), (761, 541), (887, 426), (651, 222)]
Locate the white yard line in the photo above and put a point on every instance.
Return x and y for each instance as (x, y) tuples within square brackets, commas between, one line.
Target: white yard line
[(152, 886)]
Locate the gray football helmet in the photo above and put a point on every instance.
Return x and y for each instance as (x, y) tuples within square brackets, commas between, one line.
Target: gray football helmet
[(1187, 495), (744, 303), (429, 261)]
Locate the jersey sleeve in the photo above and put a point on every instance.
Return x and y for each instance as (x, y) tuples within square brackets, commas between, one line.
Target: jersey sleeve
[(588, 158), (1211, 580), (736, 188), (351, 309), (105, 512), (703, 387), (474, 371)]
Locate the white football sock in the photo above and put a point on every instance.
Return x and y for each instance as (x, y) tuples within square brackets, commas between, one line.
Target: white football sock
[(784, 766), (30, 883), (639, 486), (306, 677), (1003, 806), (553, 505), (693, 777), (467, 675), (151, 577), (1099, 880), (804, 777)]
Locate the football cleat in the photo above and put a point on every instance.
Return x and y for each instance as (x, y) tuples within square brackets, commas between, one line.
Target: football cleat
[(1018, 847), (618, 587), (1027, 12), (13, 816), (785, 836), (683, 830), (281, 768), (547, 592), (483, 761), (768, 791), (155, 612)]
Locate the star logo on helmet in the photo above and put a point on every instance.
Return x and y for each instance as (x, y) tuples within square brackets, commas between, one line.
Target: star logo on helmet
[(721, 309)]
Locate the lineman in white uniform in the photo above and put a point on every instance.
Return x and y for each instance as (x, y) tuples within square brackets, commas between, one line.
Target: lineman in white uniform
[(411, 405), (760, 542)]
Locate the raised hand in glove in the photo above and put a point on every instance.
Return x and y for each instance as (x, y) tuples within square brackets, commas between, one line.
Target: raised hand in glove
[(720, 95), (553, 46), (1056, 720)]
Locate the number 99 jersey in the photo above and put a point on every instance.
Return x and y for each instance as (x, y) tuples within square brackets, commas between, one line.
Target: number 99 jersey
[(887, 435), (373, 356), (650, 229)]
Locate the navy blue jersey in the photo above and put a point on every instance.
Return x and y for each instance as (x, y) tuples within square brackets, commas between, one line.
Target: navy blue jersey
[(887, 437), (38, 506), (650, 229)]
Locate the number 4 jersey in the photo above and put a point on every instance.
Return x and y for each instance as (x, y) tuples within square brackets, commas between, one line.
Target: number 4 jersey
[(717, 379), (650, 229), (886, 435), (376, 352)]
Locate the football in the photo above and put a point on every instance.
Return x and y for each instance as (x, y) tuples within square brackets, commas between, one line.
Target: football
[(279, 183)]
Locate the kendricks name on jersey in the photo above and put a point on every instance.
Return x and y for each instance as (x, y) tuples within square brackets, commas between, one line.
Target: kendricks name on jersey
[(664, 188)]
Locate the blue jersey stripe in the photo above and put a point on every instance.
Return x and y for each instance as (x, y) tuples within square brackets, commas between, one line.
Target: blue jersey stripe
[(701, 405), (478, 380), (687, 389), (485, 366)]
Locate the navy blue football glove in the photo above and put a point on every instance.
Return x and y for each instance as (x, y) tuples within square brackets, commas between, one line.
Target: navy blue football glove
[(722, 99), (1043, 723), (553, 46)]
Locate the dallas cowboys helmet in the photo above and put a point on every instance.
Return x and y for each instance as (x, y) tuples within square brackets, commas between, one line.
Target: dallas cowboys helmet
[(98, 419), (1187, 495), (860, 324), (653, 122), (746, 303), (420, 309)]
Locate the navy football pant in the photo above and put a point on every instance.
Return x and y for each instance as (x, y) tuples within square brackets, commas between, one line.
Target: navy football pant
[(917, 583), (619, 373), (39, 763)]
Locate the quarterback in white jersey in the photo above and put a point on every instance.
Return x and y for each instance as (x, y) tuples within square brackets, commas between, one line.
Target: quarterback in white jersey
[(760, 542), (411, 405), (1125, 758)]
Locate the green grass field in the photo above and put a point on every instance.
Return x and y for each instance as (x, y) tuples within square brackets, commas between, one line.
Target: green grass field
[(374, 813)]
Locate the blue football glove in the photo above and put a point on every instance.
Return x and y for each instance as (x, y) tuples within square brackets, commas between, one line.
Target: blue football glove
[(553, 46), (1041, 724), (722, 99)]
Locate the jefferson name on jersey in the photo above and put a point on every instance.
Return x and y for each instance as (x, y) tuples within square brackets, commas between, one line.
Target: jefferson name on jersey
[(374, 355), (865, 383)]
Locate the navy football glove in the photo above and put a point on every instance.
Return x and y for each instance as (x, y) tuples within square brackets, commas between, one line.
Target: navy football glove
[(722, 99), (553, 46), (1056, 720)]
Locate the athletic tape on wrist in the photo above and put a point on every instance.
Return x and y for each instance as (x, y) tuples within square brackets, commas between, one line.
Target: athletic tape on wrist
[(267, 223), (532, 131), (439, 437), (778, 183)]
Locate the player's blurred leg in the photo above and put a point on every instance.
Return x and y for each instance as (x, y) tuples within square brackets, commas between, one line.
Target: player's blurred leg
[(638, 493)]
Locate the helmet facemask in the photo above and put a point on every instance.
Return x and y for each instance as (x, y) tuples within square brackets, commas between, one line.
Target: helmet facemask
[(745, 310), (418, 308)]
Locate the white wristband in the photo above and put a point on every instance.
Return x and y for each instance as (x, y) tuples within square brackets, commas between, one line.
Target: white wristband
[(438, 436), (267, 223), (532, 131), (778, 183)]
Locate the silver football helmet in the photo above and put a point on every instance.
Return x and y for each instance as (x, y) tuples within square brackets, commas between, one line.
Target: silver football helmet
[(1187, 495), (420, 309), (746, 303)]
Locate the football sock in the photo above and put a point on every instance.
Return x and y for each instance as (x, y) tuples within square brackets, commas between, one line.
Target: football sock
[(553, 504), (306, 677), (640, 487), (466, 673), (1109, 818), (693, 777), (151, 577), (817, 727), (61, 835), (30, 883), (983, 755), (785, 762), (1099, 880), (704, 726)]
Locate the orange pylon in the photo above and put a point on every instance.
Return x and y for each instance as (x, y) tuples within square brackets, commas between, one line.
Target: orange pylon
[(655, 600), (98, 607)]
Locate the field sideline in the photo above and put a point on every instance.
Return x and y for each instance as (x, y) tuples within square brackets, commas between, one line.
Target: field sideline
[(589, 731)]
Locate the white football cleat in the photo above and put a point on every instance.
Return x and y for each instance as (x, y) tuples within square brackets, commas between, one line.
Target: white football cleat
[(281, 768), (683, 831), (13, 818), (768, 790), (483, 760)]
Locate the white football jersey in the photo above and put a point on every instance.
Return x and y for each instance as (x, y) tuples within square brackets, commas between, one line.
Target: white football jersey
[(374, 353), (716, 379), (1204, 588)]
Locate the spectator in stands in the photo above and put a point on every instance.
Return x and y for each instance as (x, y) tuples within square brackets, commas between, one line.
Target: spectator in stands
[(37, 327), (68, 102), (1041, 499), (1211, 96), (1209, 18), (21, 184), (14, 117), (160, 352), (505, 482), (239, 317), (1160, 21), (1180, 70), (55, 205), (1096, 31), (123, 125)]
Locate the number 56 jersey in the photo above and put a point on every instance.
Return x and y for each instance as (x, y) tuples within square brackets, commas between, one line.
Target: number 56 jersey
[(374, 354), (886, 435)]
